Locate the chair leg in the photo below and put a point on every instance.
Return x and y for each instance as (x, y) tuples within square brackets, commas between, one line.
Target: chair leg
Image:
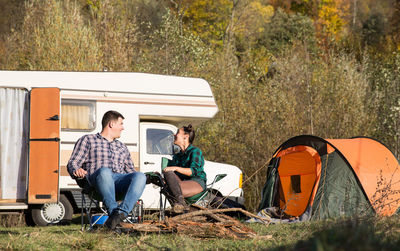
[(136, 215), (140, 211), (82, 203), (131, 216), (86, 210), (162, 208), (89, 214)]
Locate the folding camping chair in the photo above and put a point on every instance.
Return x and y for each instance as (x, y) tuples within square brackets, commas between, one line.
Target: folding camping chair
[(157, 179), (199, 199), (94, 203)]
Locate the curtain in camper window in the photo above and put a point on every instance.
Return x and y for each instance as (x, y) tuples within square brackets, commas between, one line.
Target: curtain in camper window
[(14, 124), (77, 115)]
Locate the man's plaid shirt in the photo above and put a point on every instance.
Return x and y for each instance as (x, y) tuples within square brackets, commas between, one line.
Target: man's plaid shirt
[(93, 151)]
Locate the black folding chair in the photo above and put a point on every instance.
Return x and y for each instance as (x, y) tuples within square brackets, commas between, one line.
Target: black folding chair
[(95, 207), (156, 179)]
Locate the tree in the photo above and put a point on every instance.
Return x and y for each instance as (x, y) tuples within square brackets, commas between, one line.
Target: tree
[(207, 18)]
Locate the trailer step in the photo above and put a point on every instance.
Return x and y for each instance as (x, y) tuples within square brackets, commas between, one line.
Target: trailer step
[(13, 206)]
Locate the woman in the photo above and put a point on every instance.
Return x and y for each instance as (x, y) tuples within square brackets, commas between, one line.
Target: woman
[(184, 174)]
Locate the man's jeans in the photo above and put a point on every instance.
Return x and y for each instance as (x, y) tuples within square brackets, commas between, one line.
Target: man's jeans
[(108, 184)]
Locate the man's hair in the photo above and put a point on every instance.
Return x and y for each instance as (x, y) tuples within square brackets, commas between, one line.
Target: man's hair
[(110, 116)]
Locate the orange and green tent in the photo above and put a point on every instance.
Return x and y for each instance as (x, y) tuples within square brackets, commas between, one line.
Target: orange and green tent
[(328, 178)]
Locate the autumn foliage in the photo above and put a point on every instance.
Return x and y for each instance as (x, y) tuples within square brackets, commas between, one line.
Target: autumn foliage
[(278, 68)]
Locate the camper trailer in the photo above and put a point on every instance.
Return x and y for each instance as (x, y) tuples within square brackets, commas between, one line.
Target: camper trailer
[(43, 114)]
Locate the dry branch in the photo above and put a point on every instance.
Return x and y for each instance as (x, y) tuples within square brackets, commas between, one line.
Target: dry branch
[(215, 211), (203, 223)]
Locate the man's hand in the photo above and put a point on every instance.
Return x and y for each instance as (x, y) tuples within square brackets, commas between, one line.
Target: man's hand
[(80, 173)]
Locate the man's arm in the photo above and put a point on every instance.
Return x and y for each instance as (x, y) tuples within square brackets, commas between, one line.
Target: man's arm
[(78, 157)]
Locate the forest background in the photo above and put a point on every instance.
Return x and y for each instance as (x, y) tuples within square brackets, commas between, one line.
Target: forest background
[(278, 68)]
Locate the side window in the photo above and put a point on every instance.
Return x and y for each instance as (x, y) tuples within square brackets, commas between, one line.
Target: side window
[(159, 141), (78, 115)]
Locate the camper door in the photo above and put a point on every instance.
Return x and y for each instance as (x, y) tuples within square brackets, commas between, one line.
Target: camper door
[(156, 141), (44, 146)]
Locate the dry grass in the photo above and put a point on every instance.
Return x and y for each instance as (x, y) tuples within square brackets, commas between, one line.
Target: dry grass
[(341, 234), (12, 220)]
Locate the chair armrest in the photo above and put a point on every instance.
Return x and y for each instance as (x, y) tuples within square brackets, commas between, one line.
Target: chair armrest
[(84, 184), (154, 178)]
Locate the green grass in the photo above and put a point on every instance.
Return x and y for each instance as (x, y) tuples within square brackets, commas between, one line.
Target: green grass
[(344, 234)]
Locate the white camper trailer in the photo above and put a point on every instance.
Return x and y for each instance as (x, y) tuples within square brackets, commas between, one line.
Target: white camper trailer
[(43, 114)]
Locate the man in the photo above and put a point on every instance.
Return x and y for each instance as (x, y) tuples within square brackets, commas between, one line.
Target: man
[(107, 165)]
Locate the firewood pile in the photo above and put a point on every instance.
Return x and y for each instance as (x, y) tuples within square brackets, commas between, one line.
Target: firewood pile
[(203, 223)]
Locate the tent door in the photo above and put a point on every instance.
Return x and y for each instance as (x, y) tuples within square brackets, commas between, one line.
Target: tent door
[(44, 146), (298, 174)]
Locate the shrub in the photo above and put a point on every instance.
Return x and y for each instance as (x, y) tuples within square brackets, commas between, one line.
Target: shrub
[(306, 95), (53, 36)]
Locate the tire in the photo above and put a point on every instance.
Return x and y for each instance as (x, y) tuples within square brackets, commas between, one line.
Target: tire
[(53, 213)]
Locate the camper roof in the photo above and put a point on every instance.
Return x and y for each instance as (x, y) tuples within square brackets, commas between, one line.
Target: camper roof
[(126, 82)]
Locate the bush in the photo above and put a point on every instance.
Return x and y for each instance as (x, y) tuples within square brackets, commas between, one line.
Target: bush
[(285, 30), (383, 77), (173, 50), (306, 95), (53, 36)]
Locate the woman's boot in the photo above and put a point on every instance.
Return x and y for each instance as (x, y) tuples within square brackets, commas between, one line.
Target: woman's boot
[(179, 204)]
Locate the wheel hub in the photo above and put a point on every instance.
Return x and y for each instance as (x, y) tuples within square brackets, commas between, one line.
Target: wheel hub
[(53, 212)]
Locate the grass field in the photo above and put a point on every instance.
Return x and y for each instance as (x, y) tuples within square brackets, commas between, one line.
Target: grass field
[(344, 234)]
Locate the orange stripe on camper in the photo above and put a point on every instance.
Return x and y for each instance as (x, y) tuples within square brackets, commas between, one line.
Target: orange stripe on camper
[(299, 171), (377, 170)]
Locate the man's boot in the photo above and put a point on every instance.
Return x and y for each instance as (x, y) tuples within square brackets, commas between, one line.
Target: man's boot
[(114, 219)]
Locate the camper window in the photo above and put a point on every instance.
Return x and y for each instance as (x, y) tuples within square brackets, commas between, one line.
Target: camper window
[(159, 141), (77, 115)]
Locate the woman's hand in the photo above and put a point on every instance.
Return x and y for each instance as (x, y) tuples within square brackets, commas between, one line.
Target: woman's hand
[(170, 169)]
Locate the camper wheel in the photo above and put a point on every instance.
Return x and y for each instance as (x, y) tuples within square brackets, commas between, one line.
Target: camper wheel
[(52, 213)]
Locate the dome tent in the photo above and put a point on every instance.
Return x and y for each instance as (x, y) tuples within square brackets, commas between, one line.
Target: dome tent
[(328, 178)]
